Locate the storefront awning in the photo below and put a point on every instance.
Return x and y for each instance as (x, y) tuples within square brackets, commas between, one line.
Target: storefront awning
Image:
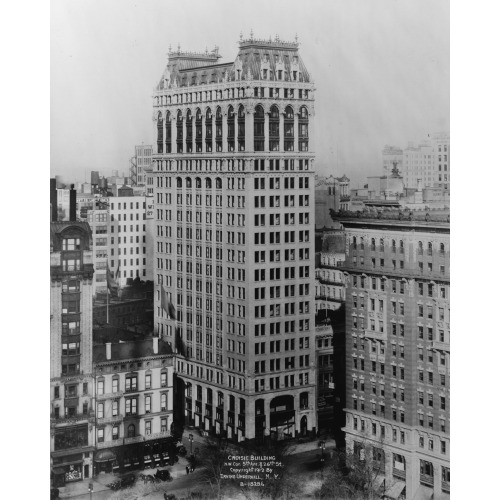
[(58, 471), (104, 456), (395, 490)]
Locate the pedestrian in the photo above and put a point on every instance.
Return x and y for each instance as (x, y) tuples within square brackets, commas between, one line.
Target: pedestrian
[(165, 496), (187, 470)]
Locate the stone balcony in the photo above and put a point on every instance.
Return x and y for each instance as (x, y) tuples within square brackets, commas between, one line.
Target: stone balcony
[(157, 435), (109, 395), (110, 420), (441, 346), (375, 334)]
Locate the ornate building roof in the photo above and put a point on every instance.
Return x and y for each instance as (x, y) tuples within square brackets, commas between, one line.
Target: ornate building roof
[(255, 58)]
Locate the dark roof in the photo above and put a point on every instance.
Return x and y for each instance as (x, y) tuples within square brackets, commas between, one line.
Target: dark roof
[(253, 52), (131, 350), (334, 243)]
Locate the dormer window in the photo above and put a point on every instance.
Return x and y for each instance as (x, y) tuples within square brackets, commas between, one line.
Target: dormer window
[(264, 74)]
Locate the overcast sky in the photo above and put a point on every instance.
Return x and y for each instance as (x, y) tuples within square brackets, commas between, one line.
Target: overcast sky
[(381, 70)]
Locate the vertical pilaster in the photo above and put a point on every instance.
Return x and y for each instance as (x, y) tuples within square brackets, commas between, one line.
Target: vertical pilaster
[(266, 132), (295, 131), (174, 134)]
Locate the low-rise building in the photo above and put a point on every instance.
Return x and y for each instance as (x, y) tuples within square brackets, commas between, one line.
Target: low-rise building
[(331, 193), (134, 404)]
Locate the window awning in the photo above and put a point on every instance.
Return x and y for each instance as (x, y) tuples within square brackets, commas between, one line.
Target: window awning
[(377, 482), (104, 456), (424, 493), (395, 490)]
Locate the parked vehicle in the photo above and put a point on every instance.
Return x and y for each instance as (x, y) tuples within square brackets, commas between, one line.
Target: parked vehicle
[(124, 482), (164, 475)]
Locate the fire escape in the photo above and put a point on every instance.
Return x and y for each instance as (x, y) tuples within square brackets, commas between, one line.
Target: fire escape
[(133, 170)]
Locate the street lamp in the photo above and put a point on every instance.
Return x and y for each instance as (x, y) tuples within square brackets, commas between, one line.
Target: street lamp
[(91, 489), (322, 445), (191, 440)]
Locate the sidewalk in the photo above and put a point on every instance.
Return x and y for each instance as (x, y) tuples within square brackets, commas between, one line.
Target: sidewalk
[(100, 481), (295, 446)]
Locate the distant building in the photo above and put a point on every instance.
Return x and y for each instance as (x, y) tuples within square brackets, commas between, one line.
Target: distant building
[(392, 157), (62, 204), (428, 162), (398, 348), (99, 222), (138, 163), (330, 296), (331, 193), (330, 281), (123, 312), (71, 379), (323, 340), (130, 239), (134, 404)]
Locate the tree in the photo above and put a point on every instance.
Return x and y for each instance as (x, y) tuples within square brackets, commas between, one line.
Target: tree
[(352, 474), (213, 457)]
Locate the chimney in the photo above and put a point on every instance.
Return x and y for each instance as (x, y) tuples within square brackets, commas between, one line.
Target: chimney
[(108, 350), (72, 203), (155, 345), (53, 200)]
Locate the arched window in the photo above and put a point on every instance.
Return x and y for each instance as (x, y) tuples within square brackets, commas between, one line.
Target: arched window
[(429, 248), (159, 140), (441, 248), (258, 129), (168, 133), (288, 129), (303, 129), (354, 243), (274, 129), (198, 132), (420, 248), (218, 130), (218, 183), (189, 132), (208, 183), (179, 182), (230, 129), (189, 182), (198, 183), (381, 244), (401, 246), (180, 138), (131, 431), (393, 245), (208, 131), (241, 128), (373, 244)]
